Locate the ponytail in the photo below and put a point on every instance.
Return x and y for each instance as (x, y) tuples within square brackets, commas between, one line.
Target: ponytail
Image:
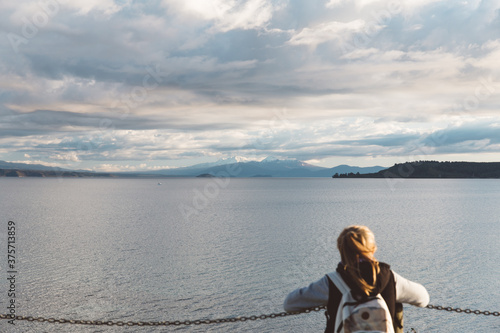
[(355, 244)]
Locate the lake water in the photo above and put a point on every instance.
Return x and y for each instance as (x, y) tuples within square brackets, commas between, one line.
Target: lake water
[(135, 250)]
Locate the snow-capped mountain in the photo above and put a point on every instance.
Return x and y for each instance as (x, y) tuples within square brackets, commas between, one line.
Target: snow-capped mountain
[(223, 161), (268, 167)]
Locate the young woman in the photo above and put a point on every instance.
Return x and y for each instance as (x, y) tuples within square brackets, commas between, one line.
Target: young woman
[(364, 275)]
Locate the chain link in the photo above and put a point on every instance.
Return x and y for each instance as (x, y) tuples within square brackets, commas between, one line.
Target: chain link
[(468, 311), (210, 321)]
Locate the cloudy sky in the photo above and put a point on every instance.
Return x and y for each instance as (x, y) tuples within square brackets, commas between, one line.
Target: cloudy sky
[(137, 85)]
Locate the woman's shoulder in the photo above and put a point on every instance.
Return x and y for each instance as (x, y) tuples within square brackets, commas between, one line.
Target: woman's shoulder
[(384, 266), (385, 276)]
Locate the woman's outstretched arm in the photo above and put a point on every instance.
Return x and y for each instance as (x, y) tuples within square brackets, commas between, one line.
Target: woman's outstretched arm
[(315, 294), (410, 292)]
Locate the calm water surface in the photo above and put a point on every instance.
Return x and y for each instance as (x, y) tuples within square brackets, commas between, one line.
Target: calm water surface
[(134, 250)]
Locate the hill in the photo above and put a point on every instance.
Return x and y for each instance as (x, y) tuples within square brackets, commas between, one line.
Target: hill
[(50, 173), (23, 166), (433, 169)]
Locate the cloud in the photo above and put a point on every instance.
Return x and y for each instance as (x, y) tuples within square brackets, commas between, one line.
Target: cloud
[(117, 82), (47, 122), (84, 7), (474, 131), (225, 15), (325, 32)]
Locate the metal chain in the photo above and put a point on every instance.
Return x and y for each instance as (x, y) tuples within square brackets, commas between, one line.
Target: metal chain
[(468, 311), (211, 321), (161, 323)]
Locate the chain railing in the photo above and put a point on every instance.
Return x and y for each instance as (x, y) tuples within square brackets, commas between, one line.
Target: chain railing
[(210, 321), (162, 323), (468, 311)]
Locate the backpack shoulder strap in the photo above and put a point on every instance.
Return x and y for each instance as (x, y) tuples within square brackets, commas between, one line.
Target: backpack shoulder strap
[(339, 282)]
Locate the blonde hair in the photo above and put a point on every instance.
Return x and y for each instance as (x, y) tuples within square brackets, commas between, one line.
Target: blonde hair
[(357, 243)]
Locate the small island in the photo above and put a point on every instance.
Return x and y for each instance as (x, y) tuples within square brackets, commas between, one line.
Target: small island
[(205, 175), (433, 169)]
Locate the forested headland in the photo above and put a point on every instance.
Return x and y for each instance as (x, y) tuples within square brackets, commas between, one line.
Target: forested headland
[(433, 169)]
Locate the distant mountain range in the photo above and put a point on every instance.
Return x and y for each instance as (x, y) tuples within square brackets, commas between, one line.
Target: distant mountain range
[(273, 167), (269, 167), (230, 167)]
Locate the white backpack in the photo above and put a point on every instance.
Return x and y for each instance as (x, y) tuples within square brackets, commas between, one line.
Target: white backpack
[(370, 315)]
